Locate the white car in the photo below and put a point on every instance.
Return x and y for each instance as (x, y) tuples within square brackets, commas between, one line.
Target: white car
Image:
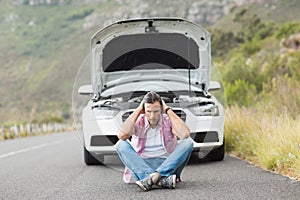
[(170, 56)]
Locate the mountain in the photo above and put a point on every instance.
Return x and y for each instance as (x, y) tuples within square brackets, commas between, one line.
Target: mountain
[(43, 43)]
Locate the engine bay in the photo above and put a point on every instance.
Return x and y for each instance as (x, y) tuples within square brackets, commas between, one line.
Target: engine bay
[(174, 99)]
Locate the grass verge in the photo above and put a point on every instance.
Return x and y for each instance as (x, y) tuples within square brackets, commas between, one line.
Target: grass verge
[(270, 140)]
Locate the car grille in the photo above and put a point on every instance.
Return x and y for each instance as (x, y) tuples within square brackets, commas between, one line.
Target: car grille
[(104, 140), (179, 113), (205, 137)]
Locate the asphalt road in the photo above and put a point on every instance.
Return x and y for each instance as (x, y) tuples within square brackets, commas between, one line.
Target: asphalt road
[(51, 167)]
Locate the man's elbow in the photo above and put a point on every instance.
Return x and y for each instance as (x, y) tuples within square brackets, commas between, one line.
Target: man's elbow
[(123, 136), (186, 134)]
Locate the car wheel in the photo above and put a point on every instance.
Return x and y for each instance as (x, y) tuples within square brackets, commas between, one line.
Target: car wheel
[(89, 159), (217, 154)]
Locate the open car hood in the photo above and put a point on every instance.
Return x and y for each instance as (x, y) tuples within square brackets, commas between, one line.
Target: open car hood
[(147, 50)]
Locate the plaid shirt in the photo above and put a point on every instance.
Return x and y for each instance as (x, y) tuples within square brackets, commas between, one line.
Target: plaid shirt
[(138, 140)]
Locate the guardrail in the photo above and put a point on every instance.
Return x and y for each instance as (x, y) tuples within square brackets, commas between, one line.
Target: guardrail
[(28, 129)]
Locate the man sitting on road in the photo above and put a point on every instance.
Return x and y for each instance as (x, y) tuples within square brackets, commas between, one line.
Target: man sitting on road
[(154, 156)]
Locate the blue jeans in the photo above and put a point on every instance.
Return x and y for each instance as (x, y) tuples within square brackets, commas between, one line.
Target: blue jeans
[(141, 168)]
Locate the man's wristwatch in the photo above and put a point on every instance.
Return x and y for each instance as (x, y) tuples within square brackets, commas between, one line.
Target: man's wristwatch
[(167, 109)]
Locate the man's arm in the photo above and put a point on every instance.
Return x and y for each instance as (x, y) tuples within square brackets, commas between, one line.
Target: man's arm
[(127, 128), (179, 127)]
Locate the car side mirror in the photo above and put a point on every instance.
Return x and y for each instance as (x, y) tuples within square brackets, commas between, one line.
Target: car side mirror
[(85, 90), (214, 85)]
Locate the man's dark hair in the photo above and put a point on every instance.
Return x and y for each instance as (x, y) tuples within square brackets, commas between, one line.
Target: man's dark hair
[(152, 97)]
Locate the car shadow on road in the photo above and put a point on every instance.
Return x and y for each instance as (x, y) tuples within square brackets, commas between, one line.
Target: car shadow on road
[(114, 161), (195, 159)]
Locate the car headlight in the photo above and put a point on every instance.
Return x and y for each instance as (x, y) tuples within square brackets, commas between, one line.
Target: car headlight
[(105, 112), (205, 110)]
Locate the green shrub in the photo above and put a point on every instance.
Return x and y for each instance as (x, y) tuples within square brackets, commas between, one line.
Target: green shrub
[(287, 29), (56, 119), (234, 68), (250, 47), (266, 30), (240, 92), (243, 67), (281, 94), (253, 27), (221, 41), (293, 63), (80, 14)]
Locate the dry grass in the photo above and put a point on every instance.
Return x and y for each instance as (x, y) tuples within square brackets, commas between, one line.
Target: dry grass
[(271, 140)]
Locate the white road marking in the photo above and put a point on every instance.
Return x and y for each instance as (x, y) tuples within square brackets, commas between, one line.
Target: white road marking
[(30, 149)]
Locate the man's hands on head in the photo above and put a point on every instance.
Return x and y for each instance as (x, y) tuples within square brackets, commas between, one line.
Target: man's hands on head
[(164, 105), (179, 127), (127, 128), (140, 108)]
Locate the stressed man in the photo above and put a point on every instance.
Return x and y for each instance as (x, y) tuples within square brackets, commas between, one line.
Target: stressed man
[(160, 146)]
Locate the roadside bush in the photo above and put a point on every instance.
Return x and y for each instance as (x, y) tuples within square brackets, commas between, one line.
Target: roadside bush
[(238, 127), (281, 94), (234, 68), (49, 119), (244, 67), (278, 145), (284, 64), (240, 92)]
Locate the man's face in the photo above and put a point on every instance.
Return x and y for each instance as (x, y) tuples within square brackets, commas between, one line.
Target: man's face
[(153, 112)]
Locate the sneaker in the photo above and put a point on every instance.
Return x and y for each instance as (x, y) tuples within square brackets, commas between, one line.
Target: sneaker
[(145, 184), (167, 182), (155, 177)]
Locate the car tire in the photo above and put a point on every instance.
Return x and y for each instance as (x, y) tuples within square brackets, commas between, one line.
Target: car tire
[(217, 154), (89, 159)]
